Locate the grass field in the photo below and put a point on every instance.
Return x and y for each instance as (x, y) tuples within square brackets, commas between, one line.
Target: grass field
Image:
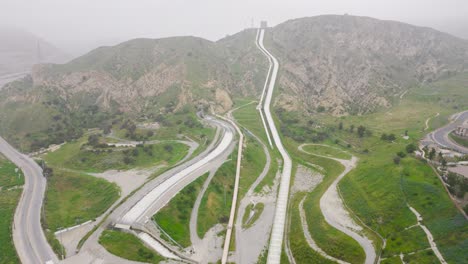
[(332, 241), (77, 157), (257, 212), (128, 246), (378, 190), (328, 151), (249, 118), (73, 198), (10, 175), (216, 202), (300, 249), (8, 201), (459, 140), (253, 162), (174, 218)]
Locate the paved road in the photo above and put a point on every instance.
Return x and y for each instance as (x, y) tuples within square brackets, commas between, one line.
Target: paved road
[(440, 136), (277, 233), (28, 236), (7, 78)]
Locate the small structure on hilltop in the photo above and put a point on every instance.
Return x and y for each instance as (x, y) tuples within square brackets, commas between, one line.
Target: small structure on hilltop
[(462, 130), (263, 24)]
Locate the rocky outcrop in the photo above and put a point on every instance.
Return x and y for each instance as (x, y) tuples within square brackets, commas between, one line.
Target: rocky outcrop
[(349, 64)]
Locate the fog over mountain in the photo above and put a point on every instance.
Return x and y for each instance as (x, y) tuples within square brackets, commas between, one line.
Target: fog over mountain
[(80, 26)]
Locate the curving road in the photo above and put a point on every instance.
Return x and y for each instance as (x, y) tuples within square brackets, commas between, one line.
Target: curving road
[(277, 233), (440, 136), (28, 236)]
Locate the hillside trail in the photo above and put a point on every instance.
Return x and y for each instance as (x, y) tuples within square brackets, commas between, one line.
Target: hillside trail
[(429, 235), (428, 119)]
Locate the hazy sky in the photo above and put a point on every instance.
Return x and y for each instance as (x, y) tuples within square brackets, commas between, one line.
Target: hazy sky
[(76, 26)]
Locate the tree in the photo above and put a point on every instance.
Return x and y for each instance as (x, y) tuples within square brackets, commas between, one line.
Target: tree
[(396, 160), (135, 152), (384, 136), (127, 160), (168, 148), (432, 154), (351, 128), (401, 154), (391, 137), (361, 130), (443, 162), (340, 126), (47, 172), (410, 148), (93, 140)]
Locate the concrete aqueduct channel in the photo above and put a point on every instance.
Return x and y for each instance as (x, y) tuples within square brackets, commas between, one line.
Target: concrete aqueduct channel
[(277, 233)]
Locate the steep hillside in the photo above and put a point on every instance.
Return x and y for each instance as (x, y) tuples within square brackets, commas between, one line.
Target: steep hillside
[(337, 64), (354, 65), (137, 78)]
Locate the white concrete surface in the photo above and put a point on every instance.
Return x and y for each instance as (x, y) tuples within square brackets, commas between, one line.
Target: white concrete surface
[(277, 234), (262, 96), (140, 208), (156, 246)]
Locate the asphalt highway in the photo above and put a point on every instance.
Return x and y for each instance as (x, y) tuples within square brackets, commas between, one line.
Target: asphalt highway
[(440, 136), (28, 236)]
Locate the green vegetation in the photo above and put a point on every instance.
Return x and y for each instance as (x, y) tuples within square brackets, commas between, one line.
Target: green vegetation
[(10, 175), (128, 246), (385, 188), (249, 118), (457, 184), (174, 218), (183, 122), (299, 247), (406, 241), (459, 140), (9, 178), (253, 162), (332, 241), (49, 119), (79, 155), (392, 260), (8, 202), (422, 257), (257, 210), (327, 151), (216, 202), (73, 198)]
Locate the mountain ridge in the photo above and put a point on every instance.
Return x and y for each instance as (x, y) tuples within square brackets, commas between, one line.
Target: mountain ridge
[(337, 64)]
